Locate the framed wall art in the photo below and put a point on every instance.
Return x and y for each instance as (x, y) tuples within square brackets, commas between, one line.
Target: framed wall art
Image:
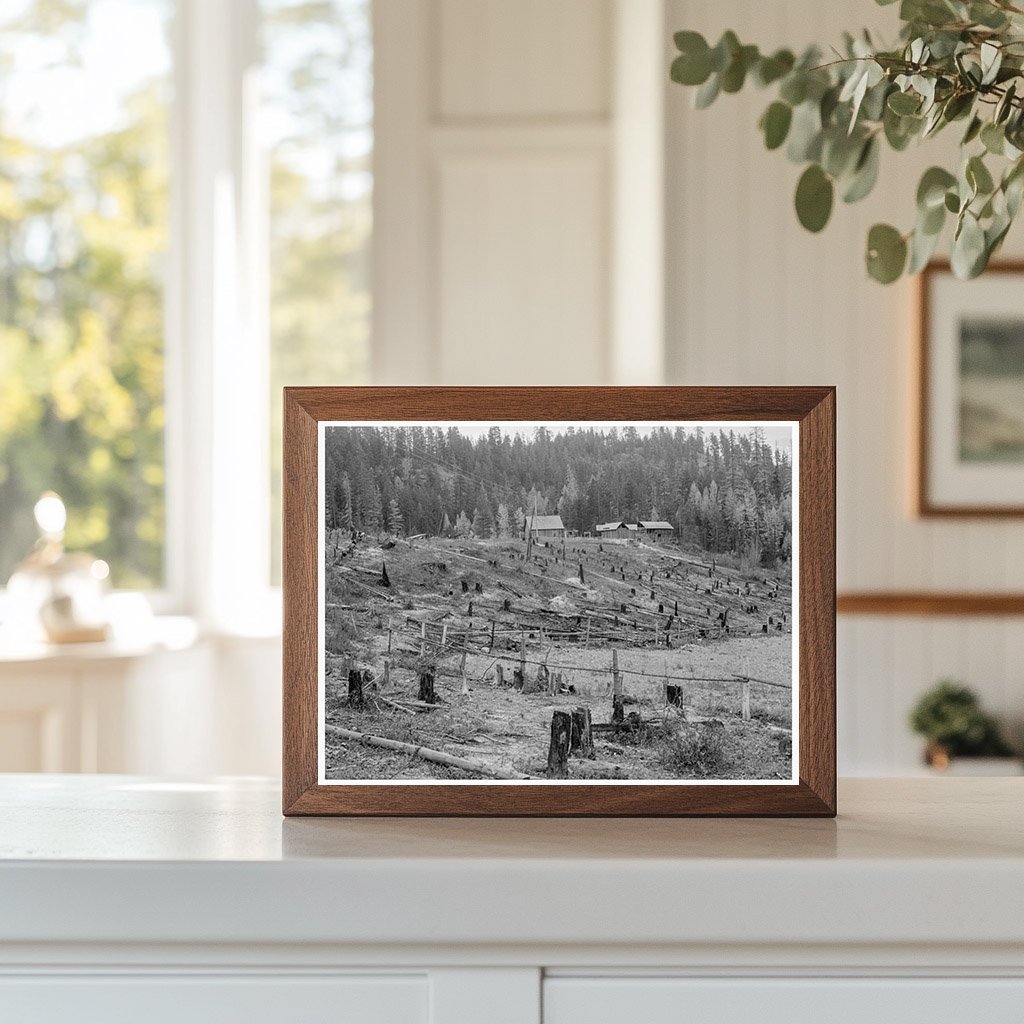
[(970, 445), (559, 601)]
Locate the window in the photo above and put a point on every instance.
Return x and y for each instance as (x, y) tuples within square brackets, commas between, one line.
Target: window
[(185, 222), (83, 236), (317, 116)]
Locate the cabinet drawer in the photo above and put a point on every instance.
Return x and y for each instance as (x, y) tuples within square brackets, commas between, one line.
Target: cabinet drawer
[(205, 999), (675, 1000)]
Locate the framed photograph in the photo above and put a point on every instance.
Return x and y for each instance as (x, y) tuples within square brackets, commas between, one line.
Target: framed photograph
[(559, 601), (970, 451)]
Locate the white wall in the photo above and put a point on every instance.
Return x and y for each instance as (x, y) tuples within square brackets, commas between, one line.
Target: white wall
[(754, 299), (515, 229)]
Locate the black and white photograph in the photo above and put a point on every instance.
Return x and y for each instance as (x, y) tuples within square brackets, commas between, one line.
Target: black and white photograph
[(541, 601)]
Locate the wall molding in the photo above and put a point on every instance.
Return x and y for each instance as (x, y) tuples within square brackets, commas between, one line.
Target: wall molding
[(928, 603)]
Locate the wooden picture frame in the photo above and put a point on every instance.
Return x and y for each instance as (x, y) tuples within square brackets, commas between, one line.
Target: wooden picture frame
[(811, 791), (929, 373)]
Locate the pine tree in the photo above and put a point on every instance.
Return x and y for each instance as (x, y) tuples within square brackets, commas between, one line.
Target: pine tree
[(373, 511), (345, 517), (503, 522), (395, 521), (520, 521), (483, 518), (463, 527), (569, 503)]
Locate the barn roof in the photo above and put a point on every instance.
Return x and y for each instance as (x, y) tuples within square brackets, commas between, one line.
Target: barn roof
[(655, 524), (545, 522), (609, 526)]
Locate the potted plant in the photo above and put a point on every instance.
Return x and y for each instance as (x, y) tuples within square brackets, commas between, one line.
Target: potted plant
[(950, 718), (956, 62)]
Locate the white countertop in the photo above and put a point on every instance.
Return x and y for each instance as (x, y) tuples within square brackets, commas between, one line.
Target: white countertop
[(121, 859)]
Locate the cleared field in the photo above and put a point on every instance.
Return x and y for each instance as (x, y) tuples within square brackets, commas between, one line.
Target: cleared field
[(477, 611)]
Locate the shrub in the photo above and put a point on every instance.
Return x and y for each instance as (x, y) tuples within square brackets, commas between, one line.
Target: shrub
[(695, 750), (949, 715)]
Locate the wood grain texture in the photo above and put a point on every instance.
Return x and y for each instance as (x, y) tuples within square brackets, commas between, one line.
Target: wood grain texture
[(812, 407), (923, 503), (925, 603)]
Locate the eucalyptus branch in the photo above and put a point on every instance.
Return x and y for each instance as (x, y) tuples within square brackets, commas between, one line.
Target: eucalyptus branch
[(955, 59)]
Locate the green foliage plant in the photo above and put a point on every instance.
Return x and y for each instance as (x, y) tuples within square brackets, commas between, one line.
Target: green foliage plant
[(957, 62), (949, 716)]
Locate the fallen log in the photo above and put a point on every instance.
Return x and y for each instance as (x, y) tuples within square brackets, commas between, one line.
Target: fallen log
[(395, 705), (436, 756)]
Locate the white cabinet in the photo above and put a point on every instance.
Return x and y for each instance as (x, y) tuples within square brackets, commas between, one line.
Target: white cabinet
[(829, 1000), (133, 899), (202, 999)]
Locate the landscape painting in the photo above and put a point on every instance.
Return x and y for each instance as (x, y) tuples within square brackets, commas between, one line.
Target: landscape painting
[(538, 602), (991, 390)]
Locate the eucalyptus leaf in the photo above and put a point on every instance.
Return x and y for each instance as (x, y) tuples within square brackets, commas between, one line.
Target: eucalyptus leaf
[(978, 176), (865, 173), (987, 15), (922, 247), (771, 69), (973, 130), (724, 51), (969, 251), (993, 138), (931, 190), (805, 133), (794, 88), (814, 195), (904, 103), (886, 253), (707, 93), (775, 124)]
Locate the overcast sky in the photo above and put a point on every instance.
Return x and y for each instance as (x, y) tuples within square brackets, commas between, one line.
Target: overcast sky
[(778, 434)]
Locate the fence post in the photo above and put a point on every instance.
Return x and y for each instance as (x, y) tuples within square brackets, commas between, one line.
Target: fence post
[(745, 699), (423, 637), (522, 655), (618, 710), (462, 666)]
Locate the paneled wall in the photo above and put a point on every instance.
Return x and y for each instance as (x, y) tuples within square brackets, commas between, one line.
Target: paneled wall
[(754, 299), (551, 210), (512, 147)]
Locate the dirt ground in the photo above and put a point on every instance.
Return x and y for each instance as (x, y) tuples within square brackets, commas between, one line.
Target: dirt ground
[(444, 606)]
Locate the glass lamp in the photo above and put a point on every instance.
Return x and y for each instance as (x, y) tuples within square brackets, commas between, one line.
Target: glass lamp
[(56, 595)]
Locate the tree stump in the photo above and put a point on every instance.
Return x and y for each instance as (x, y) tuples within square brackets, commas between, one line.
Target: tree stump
[(426, 693), (517, 679), (500, 670), (385, 580), (674, 695), (618, 709), (355, 688), (506, 605), (558, 751), (581, 740)]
